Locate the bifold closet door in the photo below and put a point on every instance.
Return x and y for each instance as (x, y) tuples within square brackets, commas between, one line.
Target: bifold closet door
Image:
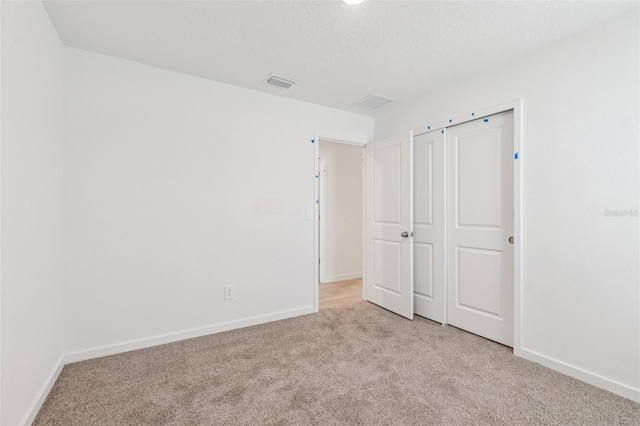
[(428, 225), (389, 217), (480, 227)]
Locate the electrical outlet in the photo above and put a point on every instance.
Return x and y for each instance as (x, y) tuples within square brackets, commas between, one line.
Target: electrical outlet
[(229, 292)]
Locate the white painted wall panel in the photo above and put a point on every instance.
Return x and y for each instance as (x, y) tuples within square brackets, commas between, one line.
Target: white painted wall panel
[(342, 220), (177, 186), (31, 211)]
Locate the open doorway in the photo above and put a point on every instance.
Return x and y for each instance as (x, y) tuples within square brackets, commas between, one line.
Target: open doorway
[(340, 223)]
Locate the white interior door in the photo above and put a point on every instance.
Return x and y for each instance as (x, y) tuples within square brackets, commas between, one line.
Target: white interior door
[(428, 225), (388, 249), (479, 225)]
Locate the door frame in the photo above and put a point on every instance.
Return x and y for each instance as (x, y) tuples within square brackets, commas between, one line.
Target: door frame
[(516, 106), (322, 230), (317, 139)]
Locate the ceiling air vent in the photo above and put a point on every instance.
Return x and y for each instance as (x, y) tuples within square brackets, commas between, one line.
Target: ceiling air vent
[(374, 101), (285, 83)]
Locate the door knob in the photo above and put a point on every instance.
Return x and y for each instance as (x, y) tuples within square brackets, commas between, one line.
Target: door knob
[(405, 234), (510, 240)]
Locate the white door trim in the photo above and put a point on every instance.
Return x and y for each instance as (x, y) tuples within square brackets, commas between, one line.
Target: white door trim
[(322, 230), (317, 138), (517, 106)]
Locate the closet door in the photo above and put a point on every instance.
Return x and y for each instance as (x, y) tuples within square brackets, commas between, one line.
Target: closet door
[(428, 225), (480, 227)]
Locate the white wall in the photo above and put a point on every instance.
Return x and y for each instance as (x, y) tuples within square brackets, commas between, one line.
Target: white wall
[(31, 213), (341, 212), (176, 186), (581, 288)]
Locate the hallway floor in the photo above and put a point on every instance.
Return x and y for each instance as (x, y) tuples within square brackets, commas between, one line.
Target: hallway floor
[(340, 294)]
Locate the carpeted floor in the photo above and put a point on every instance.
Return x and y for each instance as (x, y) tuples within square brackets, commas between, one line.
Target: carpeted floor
[(356, 365)]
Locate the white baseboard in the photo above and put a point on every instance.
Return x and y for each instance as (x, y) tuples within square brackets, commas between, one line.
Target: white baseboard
[(342, 277), (583, 375), (36, 405), (182, 335)]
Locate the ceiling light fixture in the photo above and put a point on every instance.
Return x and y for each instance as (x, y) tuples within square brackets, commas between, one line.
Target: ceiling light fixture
[(353, 2)]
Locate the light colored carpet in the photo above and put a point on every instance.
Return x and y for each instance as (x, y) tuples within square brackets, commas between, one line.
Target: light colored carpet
[(352, 366)]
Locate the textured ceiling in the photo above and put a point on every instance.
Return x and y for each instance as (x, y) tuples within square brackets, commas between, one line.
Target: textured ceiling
[(337, 53)]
